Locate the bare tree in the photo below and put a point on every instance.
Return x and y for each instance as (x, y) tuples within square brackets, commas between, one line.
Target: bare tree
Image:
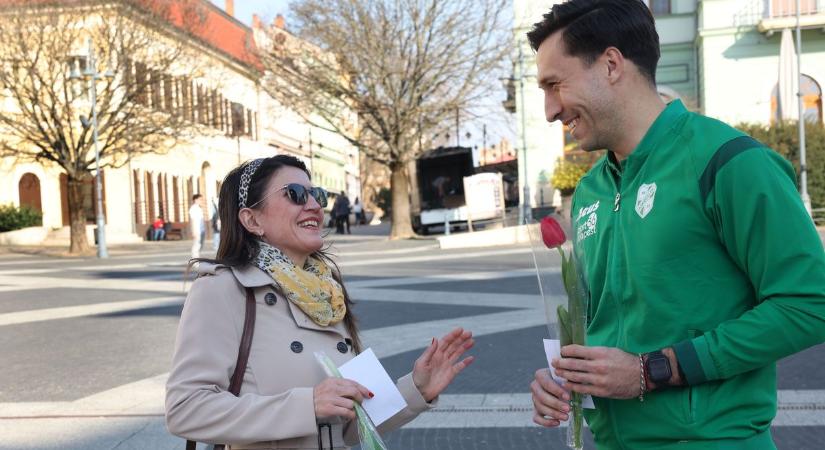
[(146, 107), (388, 74)]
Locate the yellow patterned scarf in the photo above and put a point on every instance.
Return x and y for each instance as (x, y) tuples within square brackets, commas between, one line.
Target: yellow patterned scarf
[(312, 288)]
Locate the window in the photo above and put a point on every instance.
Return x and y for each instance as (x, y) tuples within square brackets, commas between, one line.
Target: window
[(155, 88), (77, 64), (658, 7), (141, 83), (238, 126), (168, 94), (785, 8)]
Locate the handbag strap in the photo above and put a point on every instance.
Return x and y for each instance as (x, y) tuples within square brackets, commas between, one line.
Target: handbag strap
[(243, 355)]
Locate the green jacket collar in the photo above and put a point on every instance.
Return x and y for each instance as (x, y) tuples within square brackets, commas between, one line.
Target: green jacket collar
[(669, 118)]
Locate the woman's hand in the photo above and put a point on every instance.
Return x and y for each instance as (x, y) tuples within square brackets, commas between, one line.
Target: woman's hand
[(435, 369), (336, 397)]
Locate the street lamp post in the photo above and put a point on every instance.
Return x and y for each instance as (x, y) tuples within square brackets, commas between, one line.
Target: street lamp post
[(803, 169), (91, 76), (524, 212)]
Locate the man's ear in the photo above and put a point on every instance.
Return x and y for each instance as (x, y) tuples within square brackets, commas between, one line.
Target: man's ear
[(614, 63), (249, 220)]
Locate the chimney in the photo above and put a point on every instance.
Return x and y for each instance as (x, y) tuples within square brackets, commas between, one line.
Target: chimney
[(256, 22), (230, 7), (280, 22)]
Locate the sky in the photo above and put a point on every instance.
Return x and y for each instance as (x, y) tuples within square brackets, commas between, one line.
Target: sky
[(266, 9)]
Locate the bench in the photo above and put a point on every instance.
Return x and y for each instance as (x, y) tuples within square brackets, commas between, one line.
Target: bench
[(176, 231)]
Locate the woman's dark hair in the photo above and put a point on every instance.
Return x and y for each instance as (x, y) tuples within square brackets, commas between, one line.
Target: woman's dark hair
[(238, 247), (589, 27)]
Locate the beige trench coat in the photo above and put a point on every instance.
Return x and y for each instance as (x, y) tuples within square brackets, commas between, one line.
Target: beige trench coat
[(275, 408)]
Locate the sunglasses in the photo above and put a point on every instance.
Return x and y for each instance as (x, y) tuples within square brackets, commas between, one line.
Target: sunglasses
[(299, 194)]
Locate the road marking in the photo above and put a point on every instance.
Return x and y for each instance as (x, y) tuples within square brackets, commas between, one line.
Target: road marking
[(392, 340), (343, 261), (390, 252), (404, 260), (22, 283), (18, 262), (440, 278), (145, 398), (445, 298), (39, 315)]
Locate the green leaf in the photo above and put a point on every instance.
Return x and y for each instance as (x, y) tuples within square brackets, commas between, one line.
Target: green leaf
[(565, 332)]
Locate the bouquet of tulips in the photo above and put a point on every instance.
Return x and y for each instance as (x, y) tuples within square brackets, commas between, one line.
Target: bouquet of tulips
[(367, 433), (566, 316)]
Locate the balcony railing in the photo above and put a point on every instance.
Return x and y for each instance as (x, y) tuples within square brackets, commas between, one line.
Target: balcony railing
[(767, 13)]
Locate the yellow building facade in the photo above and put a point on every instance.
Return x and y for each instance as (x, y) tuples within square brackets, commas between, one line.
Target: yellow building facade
[(235, 120)]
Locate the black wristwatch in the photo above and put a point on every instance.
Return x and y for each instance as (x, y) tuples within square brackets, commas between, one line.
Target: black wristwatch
[(657, 368)]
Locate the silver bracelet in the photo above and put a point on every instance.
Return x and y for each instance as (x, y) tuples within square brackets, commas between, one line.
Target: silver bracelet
[(642, 382)]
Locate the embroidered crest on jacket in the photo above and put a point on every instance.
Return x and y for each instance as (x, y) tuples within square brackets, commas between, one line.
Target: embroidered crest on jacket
[(644, 199)]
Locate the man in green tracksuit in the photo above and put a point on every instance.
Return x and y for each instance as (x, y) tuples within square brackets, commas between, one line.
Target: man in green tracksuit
[(703, 265)]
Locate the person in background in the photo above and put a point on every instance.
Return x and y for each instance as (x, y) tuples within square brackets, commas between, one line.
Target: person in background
[(341, 210), (358, 210), (215, 220), (158, 232), (197, 225)]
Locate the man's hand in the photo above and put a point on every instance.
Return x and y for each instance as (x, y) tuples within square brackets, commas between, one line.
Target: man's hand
[(600, 371)]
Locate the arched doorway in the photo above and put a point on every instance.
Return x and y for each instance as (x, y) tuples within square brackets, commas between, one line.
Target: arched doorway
[(29, 191), (811, 100)]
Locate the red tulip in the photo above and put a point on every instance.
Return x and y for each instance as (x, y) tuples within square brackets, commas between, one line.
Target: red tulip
[(552, 233)]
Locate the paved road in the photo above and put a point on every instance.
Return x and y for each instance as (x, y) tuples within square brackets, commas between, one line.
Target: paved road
[(87, 344)]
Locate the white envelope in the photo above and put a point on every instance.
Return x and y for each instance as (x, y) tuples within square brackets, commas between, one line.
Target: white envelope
[(552, 348), (368, 371)]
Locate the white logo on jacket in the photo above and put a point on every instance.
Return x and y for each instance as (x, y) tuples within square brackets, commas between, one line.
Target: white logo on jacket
[(588, 228), (645, 198), (587, 210)]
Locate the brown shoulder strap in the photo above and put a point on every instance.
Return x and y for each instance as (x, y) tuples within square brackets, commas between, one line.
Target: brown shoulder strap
[(246, 343), (243, 354)]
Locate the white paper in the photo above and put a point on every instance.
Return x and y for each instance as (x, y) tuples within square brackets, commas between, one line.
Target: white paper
[(368, 371), (552, 348)]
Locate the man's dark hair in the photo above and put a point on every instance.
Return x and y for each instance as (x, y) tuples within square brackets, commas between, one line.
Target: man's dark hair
[(589, 27), (196, 197)]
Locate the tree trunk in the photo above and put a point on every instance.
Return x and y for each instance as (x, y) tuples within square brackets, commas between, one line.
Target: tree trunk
[(77, 217), (400, 186)]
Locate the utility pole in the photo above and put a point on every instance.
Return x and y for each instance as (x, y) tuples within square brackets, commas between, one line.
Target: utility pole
[(484, 139), (91, 76), (803, 169), (311, 162), (524, 211), (457, 134)]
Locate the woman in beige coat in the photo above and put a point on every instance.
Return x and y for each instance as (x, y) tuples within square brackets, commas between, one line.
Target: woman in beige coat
[(271, 242)]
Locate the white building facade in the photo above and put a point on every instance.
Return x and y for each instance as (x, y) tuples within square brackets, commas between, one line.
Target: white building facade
[(720, 57)]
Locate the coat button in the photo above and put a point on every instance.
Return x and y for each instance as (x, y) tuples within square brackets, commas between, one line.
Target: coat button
[(270, 299), (342, 347), (296, 347)]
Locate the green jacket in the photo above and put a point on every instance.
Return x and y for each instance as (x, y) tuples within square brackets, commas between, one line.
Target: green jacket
[(698, 241)]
